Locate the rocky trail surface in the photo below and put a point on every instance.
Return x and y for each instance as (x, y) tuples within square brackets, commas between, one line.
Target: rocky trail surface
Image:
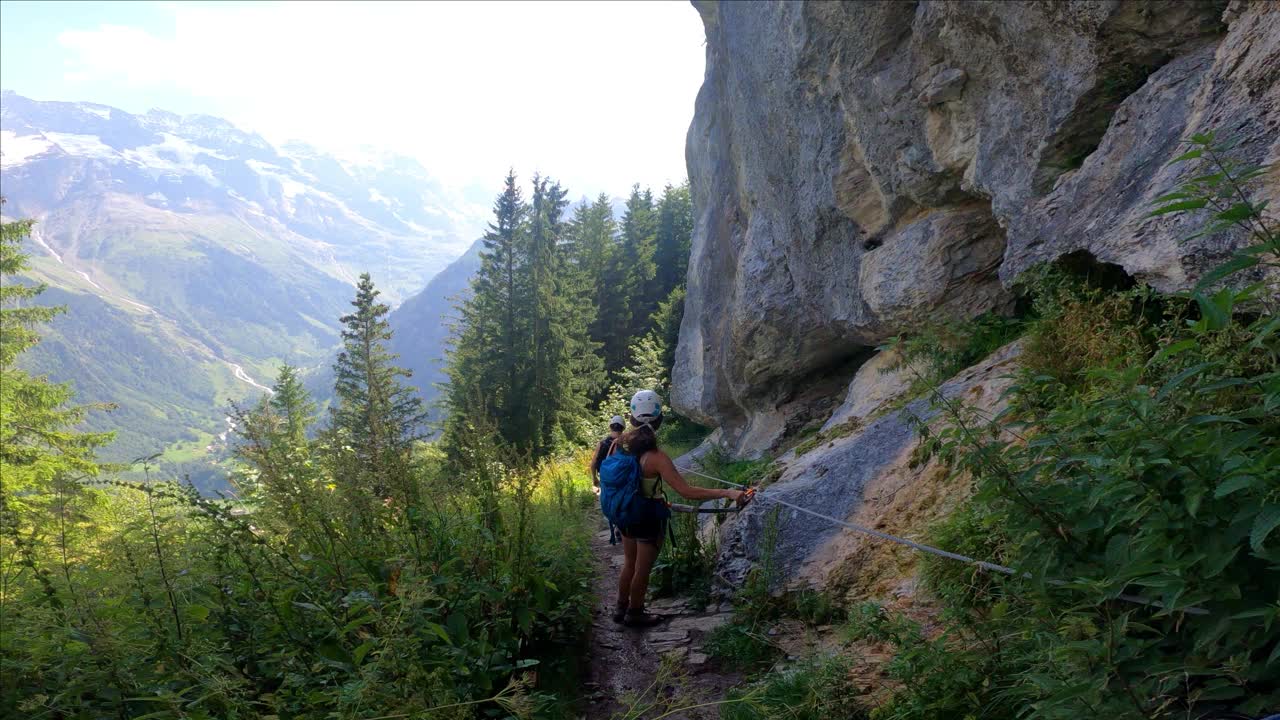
[(659, 672)]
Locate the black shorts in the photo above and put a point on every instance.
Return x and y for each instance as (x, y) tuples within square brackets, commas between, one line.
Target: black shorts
[(649, 532)]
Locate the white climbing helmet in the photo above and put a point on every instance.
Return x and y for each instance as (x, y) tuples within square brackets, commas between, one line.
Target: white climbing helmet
[(617, 420), (646, 407)]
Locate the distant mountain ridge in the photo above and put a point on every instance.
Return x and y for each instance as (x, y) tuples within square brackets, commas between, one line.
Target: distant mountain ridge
[(386, 208), (197, 257)]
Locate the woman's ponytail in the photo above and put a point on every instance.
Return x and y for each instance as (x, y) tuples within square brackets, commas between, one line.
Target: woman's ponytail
[(640, 440)]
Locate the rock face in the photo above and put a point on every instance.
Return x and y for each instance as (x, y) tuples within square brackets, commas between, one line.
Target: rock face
[(859, 168), (846, 480)]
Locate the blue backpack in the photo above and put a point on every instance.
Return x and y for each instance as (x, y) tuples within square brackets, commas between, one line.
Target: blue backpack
[(621, 499)]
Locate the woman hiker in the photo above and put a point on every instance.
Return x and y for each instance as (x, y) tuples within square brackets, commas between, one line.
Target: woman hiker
[(642, 540)]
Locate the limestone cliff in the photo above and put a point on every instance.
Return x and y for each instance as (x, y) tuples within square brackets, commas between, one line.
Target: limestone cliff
[(858, 168)]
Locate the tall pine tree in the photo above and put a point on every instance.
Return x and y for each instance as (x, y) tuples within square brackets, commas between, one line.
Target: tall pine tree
[(523, 359), (490, 347), (675, 233), (596, 254), (639, 232), (374, 414), (291, 402), (41, 451)]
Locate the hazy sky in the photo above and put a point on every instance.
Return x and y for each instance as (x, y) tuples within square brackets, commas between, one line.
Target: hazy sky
[(598, 95)]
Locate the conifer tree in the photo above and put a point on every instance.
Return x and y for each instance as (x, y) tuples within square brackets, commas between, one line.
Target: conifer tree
[(490, 347), (639, 231), (675, 233), (567, 368), (523, 361), (293, 404), (39, 445), (375, 414), (545, 307), (666, 327), (594, 248)]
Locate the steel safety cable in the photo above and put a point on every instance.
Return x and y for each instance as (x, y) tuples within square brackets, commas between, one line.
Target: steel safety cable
[(925, 548)]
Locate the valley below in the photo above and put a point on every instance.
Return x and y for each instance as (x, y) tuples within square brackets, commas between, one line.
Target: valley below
[(196, 258)]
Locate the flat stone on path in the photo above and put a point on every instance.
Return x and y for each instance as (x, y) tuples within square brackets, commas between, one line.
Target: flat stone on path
[(669, 606), (701, 623), (668, 636)]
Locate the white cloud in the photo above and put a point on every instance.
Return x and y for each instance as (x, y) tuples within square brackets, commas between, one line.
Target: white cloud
[(597, 94)]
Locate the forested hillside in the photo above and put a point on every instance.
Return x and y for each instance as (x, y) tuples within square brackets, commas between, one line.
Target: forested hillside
[(360, 571)]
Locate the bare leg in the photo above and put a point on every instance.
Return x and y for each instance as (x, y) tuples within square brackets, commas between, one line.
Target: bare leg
[(628, 570), (645, 555)]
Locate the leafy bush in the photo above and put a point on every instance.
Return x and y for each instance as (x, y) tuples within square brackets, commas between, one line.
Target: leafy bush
[(815, 689), (740, 646), (685, 566), (943, 678), (938, 351), (176, 605), (1134, 482)]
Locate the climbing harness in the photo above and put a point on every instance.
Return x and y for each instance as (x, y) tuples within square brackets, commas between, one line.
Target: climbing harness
[(982, 564)]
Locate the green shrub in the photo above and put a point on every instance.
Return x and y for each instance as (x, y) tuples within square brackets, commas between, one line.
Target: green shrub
[(1134, 482), (949, 677), (167, 604), (741, 646), (815, 689), (685, 566), (938, 351), (679, 435)]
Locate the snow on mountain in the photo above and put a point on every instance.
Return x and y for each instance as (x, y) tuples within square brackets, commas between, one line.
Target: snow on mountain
[(310, 191), (197, 256)]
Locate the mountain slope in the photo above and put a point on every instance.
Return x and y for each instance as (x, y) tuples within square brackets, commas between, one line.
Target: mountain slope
[(197, 257), (422, 324)]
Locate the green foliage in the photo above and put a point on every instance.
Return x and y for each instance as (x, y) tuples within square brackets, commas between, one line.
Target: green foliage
[(741, 647), (678, 435), (375, 417), (567, 316), (1135, 480), (42, 455), (328, 590), (814, 689), (639, 228), (523, 359), (685, 567), (740, 472), (744, 644), (942, 679), (651, 359), (674, 240), (938, 351)]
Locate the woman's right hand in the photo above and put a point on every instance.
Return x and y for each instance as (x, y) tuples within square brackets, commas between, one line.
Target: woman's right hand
[(737, 496)]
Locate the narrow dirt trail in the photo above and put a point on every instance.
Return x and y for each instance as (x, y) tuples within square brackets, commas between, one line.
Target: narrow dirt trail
[(625, 677)]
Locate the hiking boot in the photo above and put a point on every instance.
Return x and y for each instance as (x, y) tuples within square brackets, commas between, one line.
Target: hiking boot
[(641, 619), (620, 612)]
